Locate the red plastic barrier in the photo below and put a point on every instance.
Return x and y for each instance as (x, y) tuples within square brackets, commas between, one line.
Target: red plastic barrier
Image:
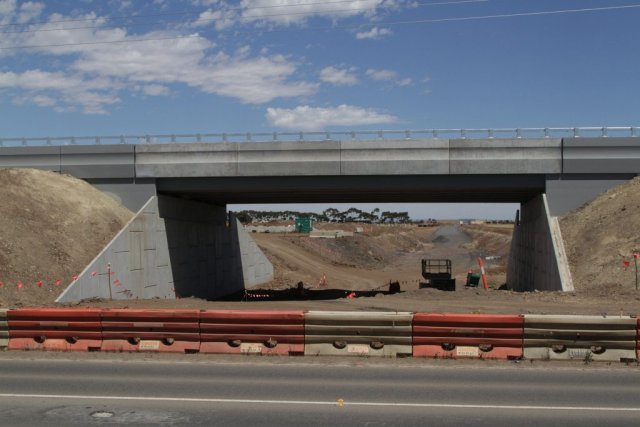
[(252, 332), (485, 336), (61, 329), (172, 331)]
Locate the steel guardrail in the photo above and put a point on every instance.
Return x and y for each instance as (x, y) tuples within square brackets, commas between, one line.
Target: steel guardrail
[(361, 135)]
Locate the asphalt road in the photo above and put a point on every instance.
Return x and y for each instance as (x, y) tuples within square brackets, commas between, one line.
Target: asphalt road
[(259, 391)]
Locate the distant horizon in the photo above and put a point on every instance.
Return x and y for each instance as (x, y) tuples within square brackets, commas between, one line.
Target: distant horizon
[(417, 211)]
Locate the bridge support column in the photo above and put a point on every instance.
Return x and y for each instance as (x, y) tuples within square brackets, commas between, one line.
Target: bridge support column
[(174, 248), (537, 260)]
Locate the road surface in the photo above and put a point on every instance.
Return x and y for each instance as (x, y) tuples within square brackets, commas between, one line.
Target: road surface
[(99, 390)]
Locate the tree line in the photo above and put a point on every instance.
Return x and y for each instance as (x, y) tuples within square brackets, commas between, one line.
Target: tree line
[(328, 215)]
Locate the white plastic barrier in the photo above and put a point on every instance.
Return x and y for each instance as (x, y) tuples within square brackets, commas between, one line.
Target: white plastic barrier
[(579, 337)]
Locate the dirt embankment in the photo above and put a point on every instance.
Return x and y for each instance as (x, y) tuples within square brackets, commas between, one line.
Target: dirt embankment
[(51, 227), (599, 237)]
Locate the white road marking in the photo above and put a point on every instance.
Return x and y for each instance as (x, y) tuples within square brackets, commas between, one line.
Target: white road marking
[(339, 402)]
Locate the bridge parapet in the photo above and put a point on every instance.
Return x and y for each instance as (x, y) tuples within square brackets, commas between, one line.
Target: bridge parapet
[(362, 135), (595, 155), (308, 158), (97, 161), (505, 156), (44, 158), (395, 157), (426, 157), (187, 160)]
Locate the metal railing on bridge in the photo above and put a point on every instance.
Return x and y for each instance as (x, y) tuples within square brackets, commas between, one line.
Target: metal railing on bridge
[(362, 135)]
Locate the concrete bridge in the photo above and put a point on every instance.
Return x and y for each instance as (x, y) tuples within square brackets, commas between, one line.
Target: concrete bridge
[(181, 191)]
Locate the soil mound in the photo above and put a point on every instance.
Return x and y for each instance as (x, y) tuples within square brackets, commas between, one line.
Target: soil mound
[(51, 227), (600, 236)]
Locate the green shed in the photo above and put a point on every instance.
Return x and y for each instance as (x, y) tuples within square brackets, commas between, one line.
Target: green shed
[(304, 224)]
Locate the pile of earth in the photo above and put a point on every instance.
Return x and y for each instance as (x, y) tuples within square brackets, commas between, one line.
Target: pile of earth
[(600, 236), (51, 227)]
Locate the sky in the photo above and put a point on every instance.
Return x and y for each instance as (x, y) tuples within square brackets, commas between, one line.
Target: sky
[(82, 67)]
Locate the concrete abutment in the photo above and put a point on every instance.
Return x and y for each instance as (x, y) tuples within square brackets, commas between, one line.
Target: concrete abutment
[(174, 248), (537, 260)]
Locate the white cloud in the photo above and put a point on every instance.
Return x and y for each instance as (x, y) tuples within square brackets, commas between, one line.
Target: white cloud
[(204, 2), (220, 19), (151, 64), (39, 100), (125, 4), (43, 87), (381, 74), (339, 76), (7, 11), (374, 33), (251, 80), (29, 11), (290, 12), (296, 12), (43, 101), (389, 76), (306, 118), (155, 90)]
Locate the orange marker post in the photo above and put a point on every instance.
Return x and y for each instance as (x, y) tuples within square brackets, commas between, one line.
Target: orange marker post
[(636, 255), (484, 275)]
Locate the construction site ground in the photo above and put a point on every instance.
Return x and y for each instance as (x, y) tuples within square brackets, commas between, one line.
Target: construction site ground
[(53, 225)]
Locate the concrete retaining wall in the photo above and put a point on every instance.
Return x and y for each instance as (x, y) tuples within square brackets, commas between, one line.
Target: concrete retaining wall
[(537, 260), (256, 268), (173, 248)]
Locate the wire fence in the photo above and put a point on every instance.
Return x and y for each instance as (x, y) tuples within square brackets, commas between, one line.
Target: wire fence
[(388, 135)]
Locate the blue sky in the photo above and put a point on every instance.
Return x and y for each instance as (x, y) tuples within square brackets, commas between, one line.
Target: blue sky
[(279, 65)]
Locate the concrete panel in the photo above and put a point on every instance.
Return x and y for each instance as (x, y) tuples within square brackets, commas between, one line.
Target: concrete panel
[(127, 257), (186, 160), (148, 261), (98, 161), (289, 158), (256, 268), (537, 259), (601, 155), (424, 157), (131, 193), (566, 193), (45, 158), (505, 156)]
